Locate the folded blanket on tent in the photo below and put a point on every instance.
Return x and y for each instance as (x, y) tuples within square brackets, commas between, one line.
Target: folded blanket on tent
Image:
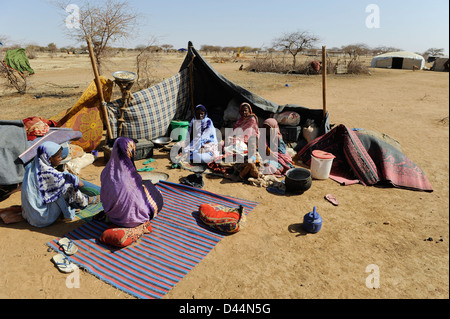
[(150, 111), (56, 134), (368, 159)]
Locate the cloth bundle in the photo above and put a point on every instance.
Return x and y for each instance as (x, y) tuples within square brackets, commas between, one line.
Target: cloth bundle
[(225, 219), (123, 237)]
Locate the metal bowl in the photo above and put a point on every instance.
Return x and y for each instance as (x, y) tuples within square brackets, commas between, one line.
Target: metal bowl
[(154, 177), (298, 180), (162, 140), (124, 76)]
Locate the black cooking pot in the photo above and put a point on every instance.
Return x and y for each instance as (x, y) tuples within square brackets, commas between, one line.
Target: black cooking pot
[(298, 180)]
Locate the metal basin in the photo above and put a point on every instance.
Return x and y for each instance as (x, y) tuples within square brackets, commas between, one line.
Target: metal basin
[(124, 76), (162, 140)]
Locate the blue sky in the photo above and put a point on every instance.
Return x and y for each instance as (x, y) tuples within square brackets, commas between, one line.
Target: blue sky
[(411, 25)]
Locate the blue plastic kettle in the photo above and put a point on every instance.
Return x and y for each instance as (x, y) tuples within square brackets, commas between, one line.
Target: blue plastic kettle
[(312, 222)]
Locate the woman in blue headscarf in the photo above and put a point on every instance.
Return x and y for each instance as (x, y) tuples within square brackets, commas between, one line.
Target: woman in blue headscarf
[(202, 147), (46, 192)]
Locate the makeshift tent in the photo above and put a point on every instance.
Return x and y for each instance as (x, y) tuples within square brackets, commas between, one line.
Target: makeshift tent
[(441, 64), (398, 60), (17, 59), (150, 111)]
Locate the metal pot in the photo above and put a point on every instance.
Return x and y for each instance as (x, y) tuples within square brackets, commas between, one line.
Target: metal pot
[(298, 180)]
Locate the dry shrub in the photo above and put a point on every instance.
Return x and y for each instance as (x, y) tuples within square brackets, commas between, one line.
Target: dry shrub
[(270, 64), (355, 66), (13, 79), (146, 66), (267, 64)]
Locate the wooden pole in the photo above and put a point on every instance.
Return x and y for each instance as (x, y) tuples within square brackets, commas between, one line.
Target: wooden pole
[(324, 79), (99, 88), (191, 79)]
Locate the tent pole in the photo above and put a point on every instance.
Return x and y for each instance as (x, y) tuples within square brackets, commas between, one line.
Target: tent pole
[(99, 88), (324, 79)]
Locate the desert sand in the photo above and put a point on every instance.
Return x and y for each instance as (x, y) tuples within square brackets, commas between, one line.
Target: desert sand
[(273, 257)]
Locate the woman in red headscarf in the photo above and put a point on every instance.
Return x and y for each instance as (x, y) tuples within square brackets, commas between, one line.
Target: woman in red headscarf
[(248, 122)]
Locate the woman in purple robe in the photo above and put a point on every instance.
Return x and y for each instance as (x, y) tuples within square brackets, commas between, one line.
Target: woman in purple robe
[(128, 201)]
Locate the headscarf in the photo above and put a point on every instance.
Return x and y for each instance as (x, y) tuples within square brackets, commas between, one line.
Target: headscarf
[(248, 124), (51, 182), (126, 201)]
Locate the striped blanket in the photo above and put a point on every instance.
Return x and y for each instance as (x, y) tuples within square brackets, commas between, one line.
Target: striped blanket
[(177, 243), (150, 111)]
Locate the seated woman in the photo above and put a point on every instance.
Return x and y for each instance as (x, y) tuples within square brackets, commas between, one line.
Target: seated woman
[(202, 147), (278, 161), (245, 135), (128, 202), (248, 122), (46, 192)]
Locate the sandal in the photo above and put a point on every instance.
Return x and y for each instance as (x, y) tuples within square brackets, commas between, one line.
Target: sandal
[(63, 263), (94, 200), (67, 246), (332, 199), (150, 160), (146, 169)]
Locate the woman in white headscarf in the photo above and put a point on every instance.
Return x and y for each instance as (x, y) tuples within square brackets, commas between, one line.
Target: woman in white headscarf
[(202, 140), (46, 192)]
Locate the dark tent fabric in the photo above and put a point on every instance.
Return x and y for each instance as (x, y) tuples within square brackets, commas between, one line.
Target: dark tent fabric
[(17, 59), (214, 91)]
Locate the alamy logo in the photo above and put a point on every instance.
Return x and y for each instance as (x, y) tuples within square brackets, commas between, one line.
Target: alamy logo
[(73, 19), (373, 280), (373, 19)]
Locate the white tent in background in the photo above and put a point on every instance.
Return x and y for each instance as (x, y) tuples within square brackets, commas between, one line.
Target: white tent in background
[(398, 60)]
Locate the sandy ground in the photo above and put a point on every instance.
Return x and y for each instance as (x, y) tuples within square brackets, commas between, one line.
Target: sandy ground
[(273, 258)]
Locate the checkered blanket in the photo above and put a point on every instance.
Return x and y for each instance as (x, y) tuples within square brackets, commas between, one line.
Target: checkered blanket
[(150, 111)]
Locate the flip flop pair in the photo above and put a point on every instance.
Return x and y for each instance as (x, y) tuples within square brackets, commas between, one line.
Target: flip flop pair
[(64, 264), (67, 246)]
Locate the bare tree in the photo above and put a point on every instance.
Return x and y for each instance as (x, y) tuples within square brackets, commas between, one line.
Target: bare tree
[(433, 52), (384, 49), (355, 50), (104, 23), (146, 62), (295, 43)]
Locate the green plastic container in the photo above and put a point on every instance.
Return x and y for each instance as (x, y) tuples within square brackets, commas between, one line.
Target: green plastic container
[(182, 127)]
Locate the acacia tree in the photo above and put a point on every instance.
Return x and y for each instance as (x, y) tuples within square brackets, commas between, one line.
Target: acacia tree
[(104, 23), (295, 42), (355, 50)]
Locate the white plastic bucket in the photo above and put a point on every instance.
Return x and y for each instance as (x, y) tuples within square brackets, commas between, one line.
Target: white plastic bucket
[(321, 164)]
